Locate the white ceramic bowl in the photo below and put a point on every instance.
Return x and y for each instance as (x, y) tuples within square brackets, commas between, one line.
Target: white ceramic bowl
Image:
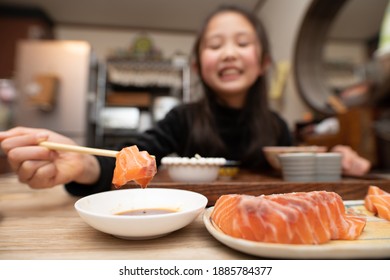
[(184, 169), (101, 210), (272, 152)]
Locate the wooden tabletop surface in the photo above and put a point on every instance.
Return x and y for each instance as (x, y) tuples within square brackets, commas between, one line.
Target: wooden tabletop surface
[(43, 224)]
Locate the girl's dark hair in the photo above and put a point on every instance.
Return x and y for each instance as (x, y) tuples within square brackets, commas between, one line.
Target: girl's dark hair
[(262, 128)]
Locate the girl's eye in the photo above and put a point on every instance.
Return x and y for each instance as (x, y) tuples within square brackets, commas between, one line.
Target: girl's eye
[(243, 43), (243, 40), (214, 44)]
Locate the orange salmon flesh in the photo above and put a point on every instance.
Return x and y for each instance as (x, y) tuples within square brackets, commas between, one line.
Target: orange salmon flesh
[(293, 218), (133, 165), (377, 201)]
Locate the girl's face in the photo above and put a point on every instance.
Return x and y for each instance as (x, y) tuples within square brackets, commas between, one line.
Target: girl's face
[(230, 57)]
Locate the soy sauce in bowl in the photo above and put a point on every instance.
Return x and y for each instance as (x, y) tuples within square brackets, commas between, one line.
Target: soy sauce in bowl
[(146, 212)]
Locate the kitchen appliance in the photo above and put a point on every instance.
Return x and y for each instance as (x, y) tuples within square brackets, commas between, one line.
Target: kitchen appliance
[(55, 79)]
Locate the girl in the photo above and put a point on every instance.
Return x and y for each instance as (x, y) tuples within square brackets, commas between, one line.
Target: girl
[(231, 120)]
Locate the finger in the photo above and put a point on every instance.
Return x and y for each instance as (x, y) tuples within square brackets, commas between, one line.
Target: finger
[(18, 155), (22, 140), (28, 169), (338, 148), (17, 131), (44, 177), (346, 162), (361, 166)]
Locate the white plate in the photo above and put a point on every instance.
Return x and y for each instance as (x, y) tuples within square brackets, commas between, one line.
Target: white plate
[(373, 243)]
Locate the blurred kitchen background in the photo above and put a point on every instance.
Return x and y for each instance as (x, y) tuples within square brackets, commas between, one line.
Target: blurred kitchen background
[(102, 70)]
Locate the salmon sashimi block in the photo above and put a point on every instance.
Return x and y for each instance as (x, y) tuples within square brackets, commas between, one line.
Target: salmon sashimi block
[(293, 218), (377, 201), (133, 165)]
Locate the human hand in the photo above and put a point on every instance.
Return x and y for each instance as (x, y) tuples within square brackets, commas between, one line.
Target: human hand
[(40, 167), (352, 164)]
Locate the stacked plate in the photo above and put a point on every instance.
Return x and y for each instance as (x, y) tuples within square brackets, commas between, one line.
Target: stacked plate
[(298, 167), (311, 167), (328, 167)]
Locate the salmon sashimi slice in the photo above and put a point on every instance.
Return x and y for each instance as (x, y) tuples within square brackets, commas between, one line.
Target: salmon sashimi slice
[(293, 218), (133, 165), (377, 201)]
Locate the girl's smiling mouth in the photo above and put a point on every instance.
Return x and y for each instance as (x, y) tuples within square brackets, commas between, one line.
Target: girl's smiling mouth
[(229, 73)]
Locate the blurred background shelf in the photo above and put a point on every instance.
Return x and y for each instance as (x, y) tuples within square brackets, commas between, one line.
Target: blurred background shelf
[(134, 94)]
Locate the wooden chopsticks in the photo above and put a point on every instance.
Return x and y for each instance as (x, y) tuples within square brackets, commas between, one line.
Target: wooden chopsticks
[(78, 149)]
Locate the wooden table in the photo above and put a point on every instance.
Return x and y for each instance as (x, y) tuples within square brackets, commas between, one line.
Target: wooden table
[(43, 224)]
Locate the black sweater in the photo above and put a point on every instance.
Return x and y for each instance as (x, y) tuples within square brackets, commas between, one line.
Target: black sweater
[(170, 135)]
